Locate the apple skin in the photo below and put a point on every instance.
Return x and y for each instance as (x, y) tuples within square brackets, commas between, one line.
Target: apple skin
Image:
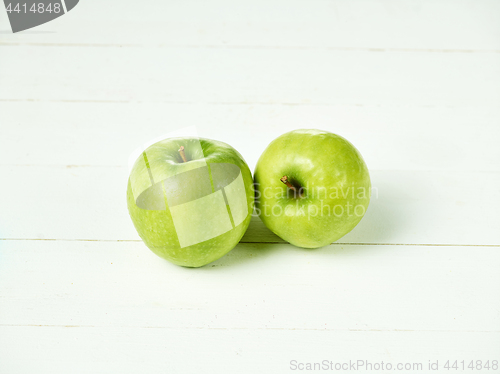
[(156, 226), (328, 169)]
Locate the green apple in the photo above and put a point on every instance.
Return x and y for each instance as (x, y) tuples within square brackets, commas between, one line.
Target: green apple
[(312, 187), (190, 199)]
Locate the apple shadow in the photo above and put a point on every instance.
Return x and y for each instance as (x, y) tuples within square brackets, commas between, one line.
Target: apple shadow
[(257, 232), (385, 221), (246, 254), (386, 217)]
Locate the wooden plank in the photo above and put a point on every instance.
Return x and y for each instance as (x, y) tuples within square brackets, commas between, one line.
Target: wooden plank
[(255, 286), (407, 207), (133, 350), (390, 138), (268, 76), (471, 25)]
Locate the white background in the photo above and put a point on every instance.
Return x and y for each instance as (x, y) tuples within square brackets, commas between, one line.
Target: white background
[(415, 85)]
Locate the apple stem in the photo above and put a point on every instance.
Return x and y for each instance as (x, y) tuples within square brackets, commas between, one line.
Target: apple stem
[(284, 179), (183, 154)]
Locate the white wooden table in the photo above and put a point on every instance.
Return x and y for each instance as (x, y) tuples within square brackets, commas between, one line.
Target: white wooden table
[(415, 85)]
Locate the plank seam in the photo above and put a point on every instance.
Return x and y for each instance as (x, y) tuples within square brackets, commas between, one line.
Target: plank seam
[(245, 242), (288, 48), (249, 328)]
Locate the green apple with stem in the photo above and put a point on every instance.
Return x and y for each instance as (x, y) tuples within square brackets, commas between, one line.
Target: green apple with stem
[(312, 187), (190, 199)]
